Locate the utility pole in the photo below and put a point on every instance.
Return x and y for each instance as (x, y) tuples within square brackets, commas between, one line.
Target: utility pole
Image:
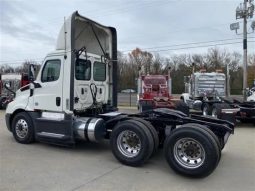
[(228, 81), (243, 12), (245, 51)]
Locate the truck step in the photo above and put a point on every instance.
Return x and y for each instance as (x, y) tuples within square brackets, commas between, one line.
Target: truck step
[(53, 135)]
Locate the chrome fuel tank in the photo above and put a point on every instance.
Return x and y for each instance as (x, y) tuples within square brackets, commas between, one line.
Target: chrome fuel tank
[(89, 129)]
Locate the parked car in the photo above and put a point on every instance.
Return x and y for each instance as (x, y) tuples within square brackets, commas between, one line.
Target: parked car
[(128, 91)]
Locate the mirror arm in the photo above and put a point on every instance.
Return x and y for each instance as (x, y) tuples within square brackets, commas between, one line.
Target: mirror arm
[(9, 90)]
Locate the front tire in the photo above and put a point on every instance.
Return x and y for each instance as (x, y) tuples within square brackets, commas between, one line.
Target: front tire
[(22, 128), (191, 151), (131, 142)]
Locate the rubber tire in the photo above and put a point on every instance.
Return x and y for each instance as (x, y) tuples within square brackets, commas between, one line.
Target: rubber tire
[(210, 132), (153, 132), (30, 136), (209, 109), (145, 136), (221, 141), (205, 139), (183, 107)]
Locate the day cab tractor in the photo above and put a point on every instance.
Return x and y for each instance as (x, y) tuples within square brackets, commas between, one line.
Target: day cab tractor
[(206, 92), (74, 98), (14, 82), (155, 91)]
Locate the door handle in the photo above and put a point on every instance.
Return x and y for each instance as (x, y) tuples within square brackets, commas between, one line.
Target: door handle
[(58, 101)]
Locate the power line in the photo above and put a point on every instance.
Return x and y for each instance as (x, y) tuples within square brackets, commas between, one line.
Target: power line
[(192, 43), (192, 47), (148, 48)]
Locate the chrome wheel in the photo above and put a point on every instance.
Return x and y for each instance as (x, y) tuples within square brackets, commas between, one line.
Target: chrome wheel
[(189, 153), (129, 144), (21, 128)]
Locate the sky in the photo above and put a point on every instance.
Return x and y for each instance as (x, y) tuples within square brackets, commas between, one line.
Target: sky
[(29, 29)]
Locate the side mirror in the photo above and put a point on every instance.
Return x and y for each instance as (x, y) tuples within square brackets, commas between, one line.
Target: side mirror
[(31, 74), (7, 85)]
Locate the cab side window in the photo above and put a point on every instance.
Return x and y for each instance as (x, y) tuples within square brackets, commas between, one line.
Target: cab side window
[(82, 69), (51, 71), (99, 71)]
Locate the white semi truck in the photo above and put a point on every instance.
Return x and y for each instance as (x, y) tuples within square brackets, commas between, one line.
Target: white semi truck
[(206, 92), (203, 89), (74, 97)]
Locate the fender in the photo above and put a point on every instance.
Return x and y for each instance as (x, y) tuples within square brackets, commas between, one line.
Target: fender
[(252, 97), (185, 97)]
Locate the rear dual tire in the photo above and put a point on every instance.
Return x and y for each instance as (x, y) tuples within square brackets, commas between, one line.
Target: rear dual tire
[(153, 132), (131, 142), (209, 131), (191, 151)]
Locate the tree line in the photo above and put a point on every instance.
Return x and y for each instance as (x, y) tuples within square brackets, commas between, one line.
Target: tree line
[(181, 65)]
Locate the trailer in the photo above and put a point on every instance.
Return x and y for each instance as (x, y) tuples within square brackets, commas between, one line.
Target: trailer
[(14, 82), (74, 98), (155, 91)]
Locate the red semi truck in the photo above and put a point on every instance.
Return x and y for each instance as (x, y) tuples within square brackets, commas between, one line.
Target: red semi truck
[(155, 91), (14, 82)]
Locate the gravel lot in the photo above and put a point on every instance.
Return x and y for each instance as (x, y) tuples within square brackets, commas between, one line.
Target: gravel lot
[(92, 167)]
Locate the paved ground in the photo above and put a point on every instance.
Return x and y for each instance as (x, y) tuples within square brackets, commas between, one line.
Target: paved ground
[(92, 167)]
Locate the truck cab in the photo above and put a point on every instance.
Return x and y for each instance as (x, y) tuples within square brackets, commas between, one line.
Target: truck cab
[(85, 54), (78, 79)]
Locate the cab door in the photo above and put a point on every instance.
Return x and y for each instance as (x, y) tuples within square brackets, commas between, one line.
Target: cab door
[(49, 96)]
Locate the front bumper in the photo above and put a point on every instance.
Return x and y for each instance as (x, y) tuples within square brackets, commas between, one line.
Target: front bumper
[(7, 121)]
